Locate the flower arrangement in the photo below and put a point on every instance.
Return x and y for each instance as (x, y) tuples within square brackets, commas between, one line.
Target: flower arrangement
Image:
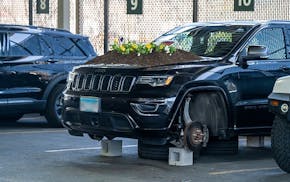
[(140, 48)]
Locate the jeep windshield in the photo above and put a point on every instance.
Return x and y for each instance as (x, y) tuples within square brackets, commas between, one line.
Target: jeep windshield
[(211, 41)]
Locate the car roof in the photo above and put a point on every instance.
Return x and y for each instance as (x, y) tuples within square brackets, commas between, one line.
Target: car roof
[(39, 30), (252, 23)]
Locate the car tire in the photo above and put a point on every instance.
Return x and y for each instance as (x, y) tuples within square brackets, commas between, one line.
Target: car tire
[(54, 106), (208, 108), (280, 142), (155, 152), (11, 118)]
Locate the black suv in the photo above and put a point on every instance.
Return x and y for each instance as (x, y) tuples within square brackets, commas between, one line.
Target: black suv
[(205, 103), (34, 64)]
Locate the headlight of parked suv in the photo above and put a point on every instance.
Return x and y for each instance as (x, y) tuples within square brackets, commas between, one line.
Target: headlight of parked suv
[(155, 81)]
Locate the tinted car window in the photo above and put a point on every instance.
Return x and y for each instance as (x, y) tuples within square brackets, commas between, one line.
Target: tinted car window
[(85, 46), (273, 39), (63, 46), (45, 47), (22, 44)]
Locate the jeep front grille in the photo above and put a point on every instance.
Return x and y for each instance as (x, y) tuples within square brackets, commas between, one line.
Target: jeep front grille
[(102, 83)]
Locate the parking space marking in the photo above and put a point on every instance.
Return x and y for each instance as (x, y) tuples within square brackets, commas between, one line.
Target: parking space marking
[(32, 117), (243, 170), (87, 148), (31, 132)]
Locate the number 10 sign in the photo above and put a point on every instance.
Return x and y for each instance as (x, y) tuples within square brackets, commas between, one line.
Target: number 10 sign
[(134, 6), (244, 5)]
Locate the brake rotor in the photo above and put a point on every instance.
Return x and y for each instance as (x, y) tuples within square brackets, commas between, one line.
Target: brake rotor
[(194, 136)]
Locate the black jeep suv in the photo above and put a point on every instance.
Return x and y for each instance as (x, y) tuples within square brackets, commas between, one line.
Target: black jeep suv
[(34, 64), (206, 103)]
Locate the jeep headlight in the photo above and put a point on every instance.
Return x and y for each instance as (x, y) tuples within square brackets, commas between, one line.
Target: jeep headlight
[(155, 81)]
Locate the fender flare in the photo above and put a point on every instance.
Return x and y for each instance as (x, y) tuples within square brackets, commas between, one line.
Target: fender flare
[(58, 79), (182, 94)]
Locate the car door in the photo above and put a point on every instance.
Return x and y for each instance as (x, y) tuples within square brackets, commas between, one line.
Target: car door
[(3, 73), (256, 82), (22, 79)]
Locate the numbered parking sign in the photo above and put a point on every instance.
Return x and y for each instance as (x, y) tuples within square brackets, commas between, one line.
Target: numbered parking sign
[(134, 6), (42, 6), (244, 5)]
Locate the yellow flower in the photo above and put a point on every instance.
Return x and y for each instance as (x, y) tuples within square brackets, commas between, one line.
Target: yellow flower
[(122, 48), (148, 46), (115, 41), (134, 46), (161, 46)]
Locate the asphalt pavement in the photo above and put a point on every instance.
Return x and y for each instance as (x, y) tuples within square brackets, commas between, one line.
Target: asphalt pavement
[(31, 151)]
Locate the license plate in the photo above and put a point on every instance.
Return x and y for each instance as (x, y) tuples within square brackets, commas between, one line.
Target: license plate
[(90, 104)]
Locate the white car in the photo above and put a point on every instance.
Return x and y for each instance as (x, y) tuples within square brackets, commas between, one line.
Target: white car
[(279, 102)]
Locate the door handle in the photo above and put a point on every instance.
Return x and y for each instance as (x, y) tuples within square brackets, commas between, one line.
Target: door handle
[(13, 72), (284, 68), (52, 61)]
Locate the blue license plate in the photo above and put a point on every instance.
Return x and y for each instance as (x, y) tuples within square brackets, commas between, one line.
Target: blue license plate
[(90, 104)]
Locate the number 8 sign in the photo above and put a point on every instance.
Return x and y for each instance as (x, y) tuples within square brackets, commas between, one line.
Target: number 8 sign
[(42, 6)]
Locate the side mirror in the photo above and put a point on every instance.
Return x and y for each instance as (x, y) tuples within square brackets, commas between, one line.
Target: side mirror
[(254, 53)]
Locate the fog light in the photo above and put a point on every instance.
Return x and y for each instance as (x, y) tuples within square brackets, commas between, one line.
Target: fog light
[(274, 103), (145, 108), (148, 107), (284, 108)]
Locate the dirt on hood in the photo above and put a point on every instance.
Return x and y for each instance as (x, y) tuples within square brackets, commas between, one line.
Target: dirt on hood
[(153, 59)]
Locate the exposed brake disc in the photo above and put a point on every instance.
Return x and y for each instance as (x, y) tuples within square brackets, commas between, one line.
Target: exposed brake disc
[(195, 136)]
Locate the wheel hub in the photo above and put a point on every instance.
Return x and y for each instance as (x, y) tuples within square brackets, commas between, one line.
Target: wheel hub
[(59, 105), (196, 136)]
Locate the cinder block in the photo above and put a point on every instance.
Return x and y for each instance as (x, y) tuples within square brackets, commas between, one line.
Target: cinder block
[(111, 148), (255, 141), (180, 157)]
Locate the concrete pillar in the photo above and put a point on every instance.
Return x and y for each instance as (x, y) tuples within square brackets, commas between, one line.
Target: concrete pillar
[(180, 157), (255, 141), (111, 148), (63, 19)]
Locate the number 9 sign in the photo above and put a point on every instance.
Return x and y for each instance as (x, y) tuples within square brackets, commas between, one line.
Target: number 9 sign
[(134, 6)]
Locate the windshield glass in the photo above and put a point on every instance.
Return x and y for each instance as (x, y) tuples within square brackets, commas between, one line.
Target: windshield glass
[(210, 41), (179, 29)]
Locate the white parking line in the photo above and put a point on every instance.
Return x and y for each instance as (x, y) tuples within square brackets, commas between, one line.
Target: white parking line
[(242, 171), (32, 117), (87, 148), (31, 132)]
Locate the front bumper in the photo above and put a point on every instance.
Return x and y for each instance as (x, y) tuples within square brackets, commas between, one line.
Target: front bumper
[(279, 104), (120, 117)]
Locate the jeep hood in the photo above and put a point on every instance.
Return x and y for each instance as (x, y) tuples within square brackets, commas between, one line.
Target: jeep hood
[(193, 67)]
